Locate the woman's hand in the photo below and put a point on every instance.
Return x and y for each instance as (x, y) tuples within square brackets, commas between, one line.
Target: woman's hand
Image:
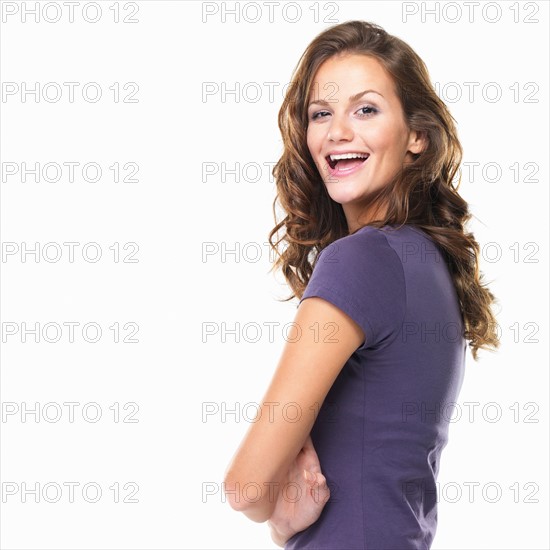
[(299, 504)]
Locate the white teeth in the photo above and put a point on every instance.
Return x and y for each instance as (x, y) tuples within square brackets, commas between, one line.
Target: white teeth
[(349, 156)]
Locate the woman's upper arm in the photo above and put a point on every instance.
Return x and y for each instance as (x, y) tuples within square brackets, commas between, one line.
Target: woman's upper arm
[(322, 339)]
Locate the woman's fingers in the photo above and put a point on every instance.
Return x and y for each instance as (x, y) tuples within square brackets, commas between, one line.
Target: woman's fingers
[(315, 478), (318, 486), (310, 477), (319, 479), (322, 492)]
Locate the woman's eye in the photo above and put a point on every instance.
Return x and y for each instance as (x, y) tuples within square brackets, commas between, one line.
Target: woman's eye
[(316, 115), (368, 110)]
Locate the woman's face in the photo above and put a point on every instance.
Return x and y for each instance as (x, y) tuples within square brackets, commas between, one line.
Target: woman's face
[(343, 119)]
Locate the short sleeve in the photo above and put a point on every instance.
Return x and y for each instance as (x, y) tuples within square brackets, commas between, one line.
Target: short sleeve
[(362, 275)]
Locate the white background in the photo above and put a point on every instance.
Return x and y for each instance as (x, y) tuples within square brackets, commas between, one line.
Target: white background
[(172, 212)]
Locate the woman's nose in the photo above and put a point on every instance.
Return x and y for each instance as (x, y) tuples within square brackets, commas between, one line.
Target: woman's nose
[(340, 129)]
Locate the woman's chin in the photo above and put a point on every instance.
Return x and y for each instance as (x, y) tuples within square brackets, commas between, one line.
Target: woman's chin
[(343, 197)]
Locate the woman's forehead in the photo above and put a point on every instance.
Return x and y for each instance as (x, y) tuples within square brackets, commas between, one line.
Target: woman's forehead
[(342, 77)]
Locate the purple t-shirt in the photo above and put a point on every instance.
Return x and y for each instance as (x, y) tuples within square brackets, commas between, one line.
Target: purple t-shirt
[(384, 423)]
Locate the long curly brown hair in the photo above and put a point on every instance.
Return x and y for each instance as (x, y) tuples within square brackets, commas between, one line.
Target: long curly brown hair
[(422, 193)]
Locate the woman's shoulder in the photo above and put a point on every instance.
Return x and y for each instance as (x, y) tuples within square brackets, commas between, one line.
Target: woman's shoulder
[(378, 248), (368, 238), (367, 247)]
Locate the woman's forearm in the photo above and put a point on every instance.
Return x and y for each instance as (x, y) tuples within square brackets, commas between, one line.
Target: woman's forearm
[(256, 509)]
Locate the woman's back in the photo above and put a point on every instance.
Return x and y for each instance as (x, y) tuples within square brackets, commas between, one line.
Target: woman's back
[(383, 424)]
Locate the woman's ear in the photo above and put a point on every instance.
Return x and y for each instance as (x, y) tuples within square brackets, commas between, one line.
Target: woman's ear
[(418, 141)]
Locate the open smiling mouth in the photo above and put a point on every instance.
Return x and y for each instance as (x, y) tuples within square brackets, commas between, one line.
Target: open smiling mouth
[(347, 161)]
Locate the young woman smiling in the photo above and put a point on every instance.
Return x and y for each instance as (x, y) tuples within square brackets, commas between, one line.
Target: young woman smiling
[(390, 295)]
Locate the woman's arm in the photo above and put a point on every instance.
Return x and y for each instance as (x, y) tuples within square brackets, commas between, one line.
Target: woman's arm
[(321, 341)]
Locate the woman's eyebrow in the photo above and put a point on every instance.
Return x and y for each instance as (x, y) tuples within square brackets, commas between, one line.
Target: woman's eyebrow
[(351, 99)]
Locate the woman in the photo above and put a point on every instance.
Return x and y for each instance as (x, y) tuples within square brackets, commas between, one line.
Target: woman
[(346, 446)]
